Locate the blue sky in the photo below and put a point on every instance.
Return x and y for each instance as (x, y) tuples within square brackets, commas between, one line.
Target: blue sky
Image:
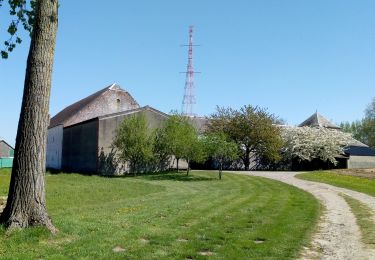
[(291, 56)]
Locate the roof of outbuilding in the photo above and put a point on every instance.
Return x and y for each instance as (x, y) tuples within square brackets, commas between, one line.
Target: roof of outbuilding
[(317, 120), (2, 141), (133, 111), (65, 114), (200, 123), (360, 151)]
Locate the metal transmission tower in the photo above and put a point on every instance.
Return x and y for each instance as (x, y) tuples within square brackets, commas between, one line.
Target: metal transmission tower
[(189, 97)]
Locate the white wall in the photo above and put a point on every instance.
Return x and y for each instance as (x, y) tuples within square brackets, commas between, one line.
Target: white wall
[(358, 162), (54, 147)]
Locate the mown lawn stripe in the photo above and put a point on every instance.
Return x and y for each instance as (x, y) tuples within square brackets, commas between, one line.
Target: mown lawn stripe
[(146, 217)]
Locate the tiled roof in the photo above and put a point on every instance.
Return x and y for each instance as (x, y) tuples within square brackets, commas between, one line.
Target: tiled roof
[(317, 120), (64, 115)]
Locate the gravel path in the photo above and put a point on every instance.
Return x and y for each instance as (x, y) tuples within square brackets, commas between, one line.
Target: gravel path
[(338, 235)]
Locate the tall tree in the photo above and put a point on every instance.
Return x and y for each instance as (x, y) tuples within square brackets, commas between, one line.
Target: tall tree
[(370, 110), (26, 204), (220, 149), (194, 151), (253, 129), (180, 137), (363, 130), (134, 142)]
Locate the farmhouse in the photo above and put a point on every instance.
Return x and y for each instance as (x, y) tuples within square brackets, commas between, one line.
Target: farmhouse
[(80, 136), (6, 155), (357, 154)]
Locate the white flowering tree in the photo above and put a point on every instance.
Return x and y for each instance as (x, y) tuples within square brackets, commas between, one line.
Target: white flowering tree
[(306, 143)]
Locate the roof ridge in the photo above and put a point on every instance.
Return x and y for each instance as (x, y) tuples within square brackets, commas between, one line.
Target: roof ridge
[(319, 120), (60, 118), (2, 140)]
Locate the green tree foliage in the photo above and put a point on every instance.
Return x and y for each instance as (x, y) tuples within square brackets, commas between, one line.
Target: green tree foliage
[(195, 151), (220, 148), (363, 130), (181, 139), (23, 13), (161, 152), (355, 128), (134, 142), (253, 129), (368, 132), (370, 110)]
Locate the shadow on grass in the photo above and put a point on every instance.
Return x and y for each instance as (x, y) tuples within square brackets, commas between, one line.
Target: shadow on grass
[(167, 175), (177, 177)]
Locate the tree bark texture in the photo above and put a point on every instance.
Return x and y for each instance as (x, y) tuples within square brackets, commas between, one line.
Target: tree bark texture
[(26, 205)]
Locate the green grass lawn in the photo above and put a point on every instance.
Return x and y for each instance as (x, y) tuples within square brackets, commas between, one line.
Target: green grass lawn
[(365, 221), (345, 181), (168, 216)]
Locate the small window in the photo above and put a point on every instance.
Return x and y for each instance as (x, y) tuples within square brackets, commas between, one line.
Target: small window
[(118, 101)]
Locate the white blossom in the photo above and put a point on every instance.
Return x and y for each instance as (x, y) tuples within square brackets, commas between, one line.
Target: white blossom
[(307, 143)]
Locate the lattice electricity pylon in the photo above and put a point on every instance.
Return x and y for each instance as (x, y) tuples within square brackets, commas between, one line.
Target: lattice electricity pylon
[(189, 97)]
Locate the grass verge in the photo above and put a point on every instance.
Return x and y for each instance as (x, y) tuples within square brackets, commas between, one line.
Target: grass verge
[(345, 181), (365, 220), (168, 216)]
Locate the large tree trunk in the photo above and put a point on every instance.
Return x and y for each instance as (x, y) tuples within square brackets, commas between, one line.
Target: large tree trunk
[(26, 205)]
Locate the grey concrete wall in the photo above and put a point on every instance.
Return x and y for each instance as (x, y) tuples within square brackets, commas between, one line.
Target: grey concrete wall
[(54, 147), (108, 126), (5, 150), (80, 147), (361, 162), (107, 132)]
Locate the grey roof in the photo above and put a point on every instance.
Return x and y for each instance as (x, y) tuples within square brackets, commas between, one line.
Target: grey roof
[(122, 113), (133, 111), (357, 143), (64, 115), (200, 123), (360, 151), (317, 120), (3, 141)]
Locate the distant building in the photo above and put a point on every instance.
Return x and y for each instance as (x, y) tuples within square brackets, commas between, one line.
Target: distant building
[(109, 100), (81, 135), (357, 154), (6, 155), (317, 120)]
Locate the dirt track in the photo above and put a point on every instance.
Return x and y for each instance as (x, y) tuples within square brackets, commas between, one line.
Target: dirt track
[(338, 235)]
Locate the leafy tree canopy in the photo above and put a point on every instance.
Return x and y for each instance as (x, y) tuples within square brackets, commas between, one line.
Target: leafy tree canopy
[(363, 130), (181, 139), (220, 148), (308, 143), (23, 14), (253, 129), (134, 142)]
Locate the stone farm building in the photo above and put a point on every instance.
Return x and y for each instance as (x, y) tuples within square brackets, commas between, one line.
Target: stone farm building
[(6, 155), (81, 135)]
